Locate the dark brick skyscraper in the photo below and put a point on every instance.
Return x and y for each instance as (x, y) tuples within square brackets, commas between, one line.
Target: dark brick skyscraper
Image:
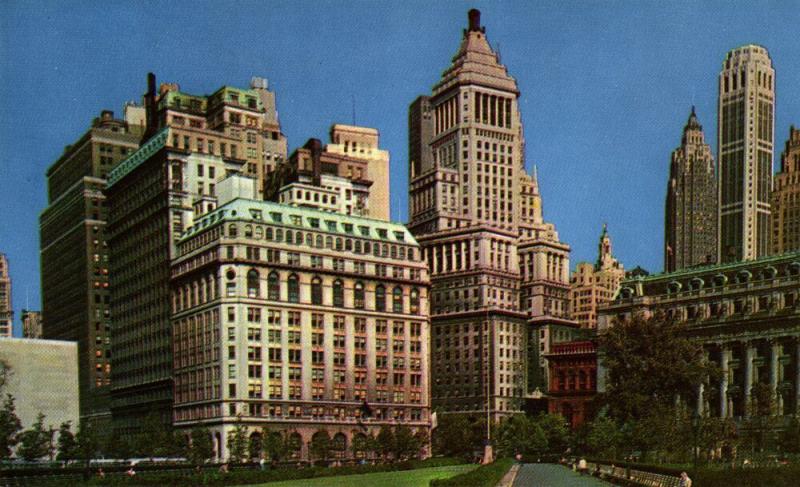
[(690, 228)]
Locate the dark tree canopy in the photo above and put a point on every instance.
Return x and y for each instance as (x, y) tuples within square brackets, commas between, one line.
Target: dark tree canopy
[(649, 362)]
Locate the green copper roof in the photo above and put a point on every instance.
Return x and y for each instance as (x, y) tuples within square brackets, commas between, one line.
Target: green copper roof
[(310, 219), (156, 143), (732, 266)]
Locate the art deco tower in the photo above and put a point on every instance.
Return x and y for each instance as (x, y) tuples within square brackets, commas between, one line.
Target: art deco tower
[(786, 198), (746, 119), (477, 215), (690, 226)]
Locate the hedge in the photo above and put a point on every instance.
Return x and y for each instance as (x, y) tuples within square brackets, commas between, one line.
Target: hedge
[(483, 476), (255, 476)]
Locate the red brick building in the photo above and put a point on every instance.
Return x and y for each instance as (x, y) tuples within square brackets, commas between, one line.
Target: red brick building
[(573, 380)]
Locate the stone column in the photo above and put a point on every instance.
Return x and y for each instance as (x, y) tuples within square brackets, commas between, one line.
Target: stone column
[(773, 376), (434, 260), (748, 377), (723, 385), (699, 407)]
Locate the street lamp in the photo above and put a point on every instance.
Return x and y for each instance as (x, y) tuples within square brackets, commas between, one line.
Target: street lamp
[(695, 431)]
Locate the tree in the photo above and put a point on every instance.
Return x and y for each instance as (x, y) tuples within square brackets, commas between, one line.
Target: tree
[(201, 446), (67, 446), (320, 445), (457, 435), (10, 425), (604, 437), (274, 446), (650, 361), (88, 441), (385, 441), (157, 438), (519, 434), (406, 444), (238, 442), (555, 430), (36, 442)]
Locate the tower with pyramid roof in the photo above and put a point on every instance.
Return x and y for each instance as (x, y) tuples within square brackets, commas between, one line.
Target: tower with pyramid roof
[(499, 272), (690, 220)]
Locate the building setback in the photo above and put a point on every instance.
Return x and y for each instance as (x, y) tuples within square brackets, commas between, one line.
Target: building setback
[(6, 309), (786, 198), (690, 224), (154, 195), (746, 117), (299, 321), (746, 315), (74, 251), (499, 274)]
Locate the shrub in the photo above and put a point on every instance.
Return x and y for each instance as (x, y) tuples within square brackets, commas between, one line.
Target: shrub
[(483, 476)]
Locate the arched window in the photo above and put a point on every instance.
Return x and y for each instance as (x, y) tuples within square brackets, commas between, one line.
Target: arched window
[(380, 298), (273, 287), (415, 301), (358, 246), (316, 290), (367, 247), (232, 232), (289, 237), (328, 242), (339, 243), (269, 233), (358, 295), (278, 235), (294, 288), (248, 231), (319, 241), (338, 293), (309, 240), (397, 300), (253, 290)]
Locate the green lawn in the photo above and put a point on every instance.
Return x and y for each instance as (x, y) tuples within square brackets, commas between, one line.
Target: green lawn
[(405, 478)]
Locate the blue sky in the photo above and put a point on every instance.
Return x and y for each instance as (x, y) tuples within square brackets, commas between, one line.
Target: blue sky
[(606, 89)]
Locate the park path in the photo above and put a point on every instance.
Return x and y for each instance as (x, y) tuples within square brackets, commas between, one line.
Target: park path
[(549, 475)]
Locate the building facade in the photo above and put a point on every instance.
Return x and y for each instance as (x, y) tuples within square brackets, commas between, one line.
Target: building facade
[(74, 250), (786, 198), (6, 308), (192, 143), (746, 315), (573, 381), (350, 175), (31, 324), (42, 375), (592, 285), (299, 321), (746, 118), (690, 223), (496, 266)]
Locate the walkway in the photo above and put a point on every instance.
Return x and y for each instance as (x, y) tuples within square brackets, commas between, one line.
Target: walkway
[(548, 475)]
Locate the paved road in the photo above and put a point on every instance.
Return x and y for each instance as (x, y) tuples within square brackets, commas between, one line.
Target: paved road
[(548, 475)]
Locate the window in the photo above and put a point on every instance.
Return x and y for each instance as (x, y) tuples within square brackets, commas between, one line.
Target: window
[(316, 290), (415, 301), (273, 287), (358, 295), (252, 284), (338, 293), (397, 300), (294, 288), (380, 298)]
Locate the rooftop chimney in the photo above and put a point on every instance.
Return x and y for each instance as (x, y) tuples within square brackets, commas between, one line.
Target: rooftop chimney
[(475, 20)]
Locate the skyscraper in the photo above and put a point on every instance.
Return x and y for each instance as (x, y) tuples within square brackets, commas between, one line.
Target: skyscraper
[(746, 119), (690, 227), (786, 198), (595, 285), (495, 265), (74, 251), (31, 324), (6, 310), (192, 142)]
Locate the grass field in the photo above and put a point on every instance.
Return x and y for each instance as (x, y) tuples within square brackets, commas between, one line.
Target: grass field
[(406, 478)]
